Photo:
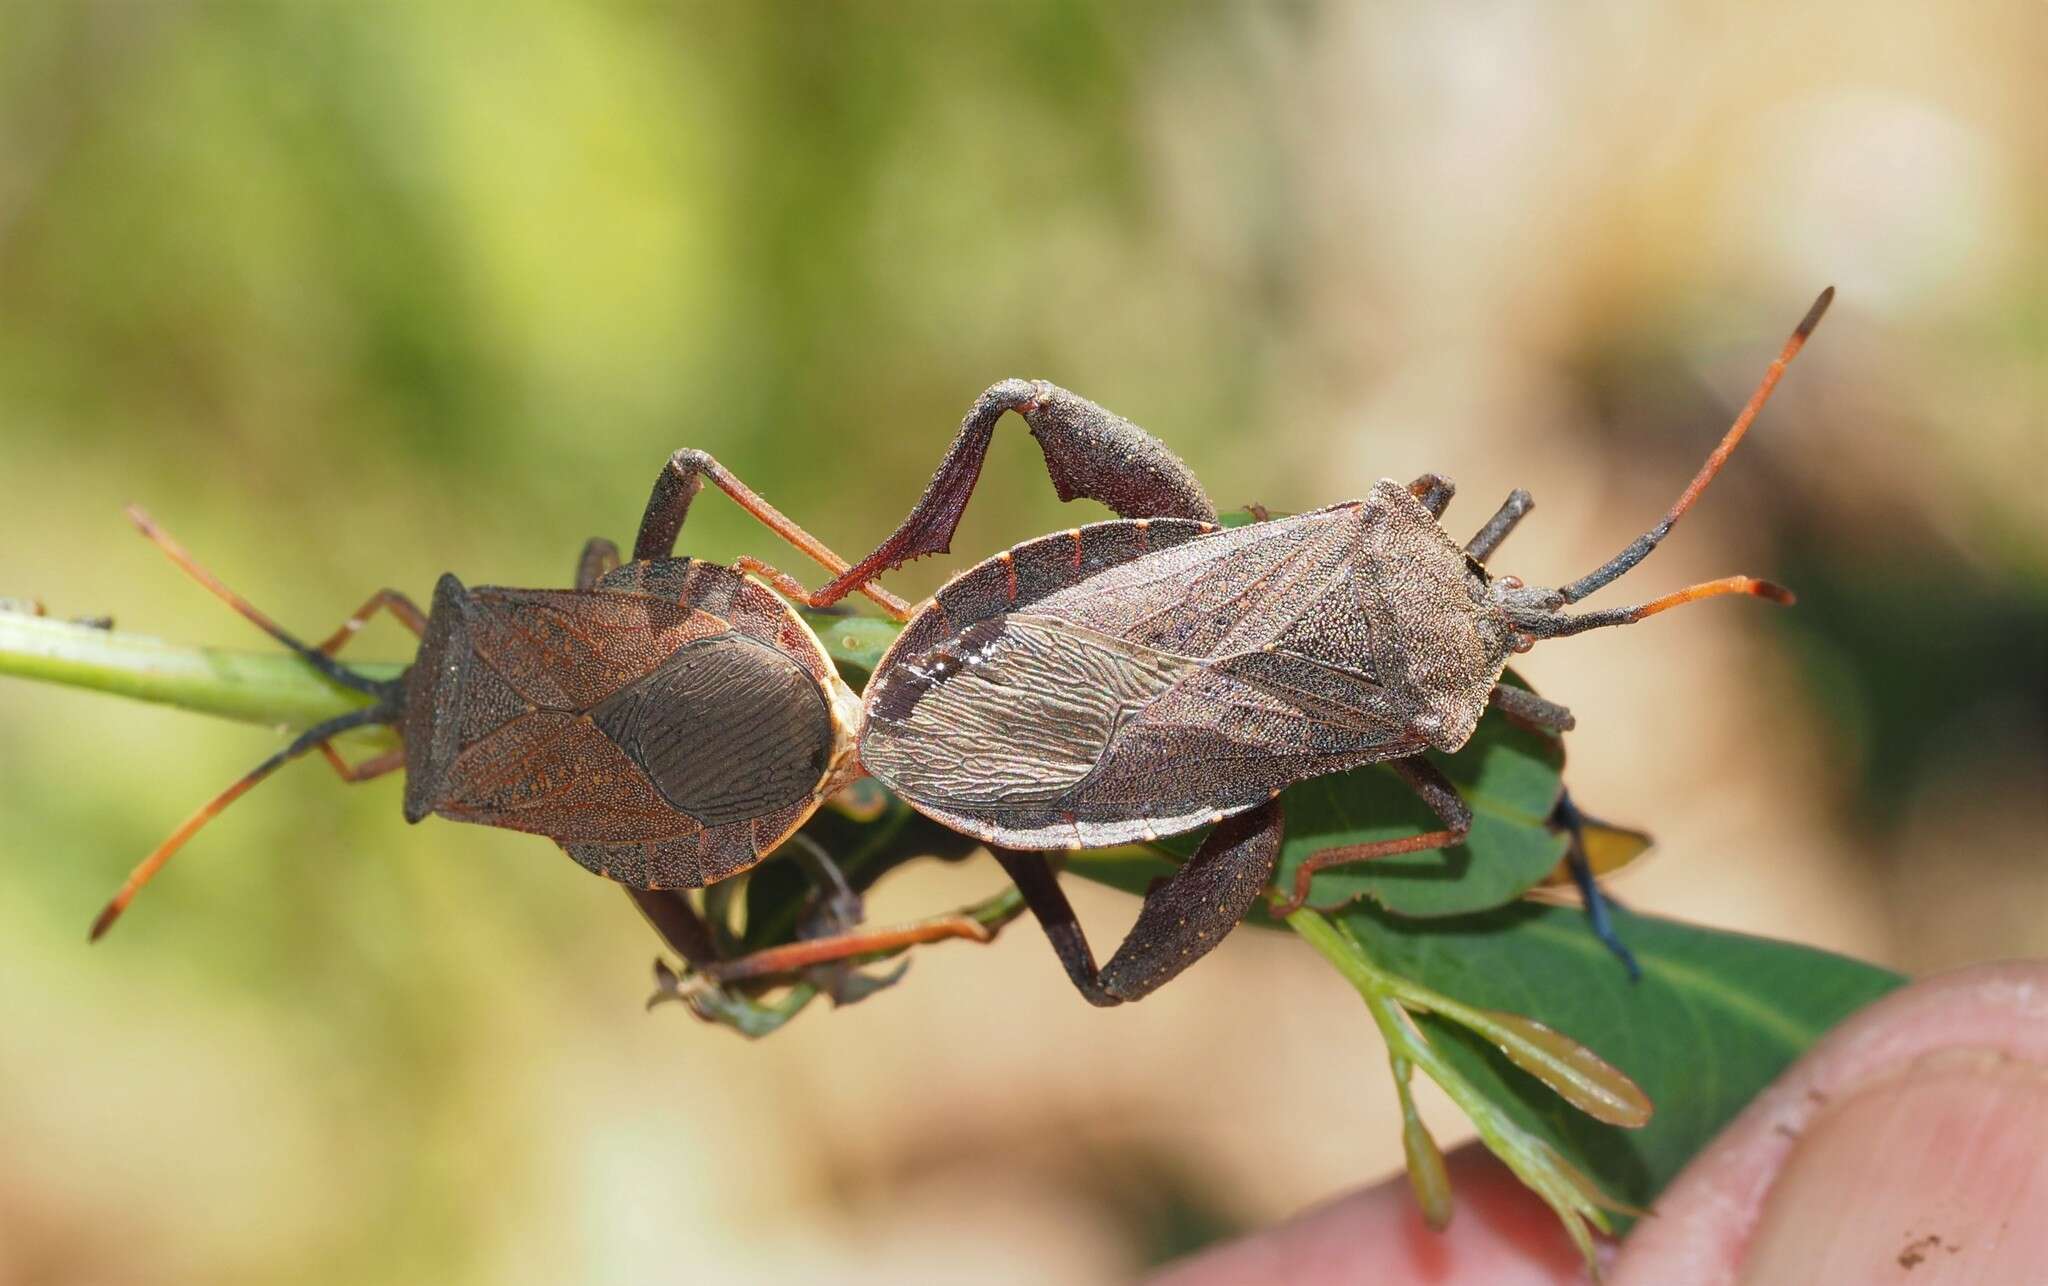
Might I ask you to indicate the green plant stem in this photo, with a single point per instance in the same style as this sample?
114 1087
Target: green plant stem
1382 993
273 688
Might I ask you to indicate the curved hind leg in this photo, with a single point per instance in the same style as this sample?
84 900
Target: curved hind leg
1182 919
1090 453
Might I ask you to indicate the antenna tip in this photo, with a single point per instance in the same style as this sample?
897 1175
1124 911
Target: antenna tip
1815 313
1776 593
140 518
104 921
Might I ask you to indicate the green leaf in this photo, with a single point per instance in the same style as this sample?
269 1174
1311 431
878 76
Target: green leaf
1511 777
1716 1017
855 643
1394 1003
1428 1177
1573 1072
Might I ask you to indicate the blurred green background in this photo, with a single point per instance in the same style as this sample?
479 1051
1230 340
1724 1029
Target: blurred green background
349 295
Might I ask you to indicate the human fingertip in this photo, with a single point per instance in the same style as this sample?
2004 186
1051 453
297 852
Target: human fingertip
1939 1168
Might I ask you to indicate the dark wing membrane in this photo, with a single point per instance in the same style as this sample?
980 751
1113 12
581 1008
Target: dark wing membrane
1224 739
728 729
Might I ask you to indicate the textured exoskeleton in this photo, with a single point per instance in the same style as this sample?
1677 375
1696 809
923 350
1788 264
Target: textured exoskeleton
1136 679
669 727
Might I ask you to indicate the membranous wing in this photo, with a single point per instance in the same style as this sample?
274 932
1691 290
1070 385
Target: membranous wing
1013 711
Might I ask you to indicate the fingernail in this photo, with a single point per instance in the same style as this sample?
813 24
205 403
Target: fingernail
1936 1174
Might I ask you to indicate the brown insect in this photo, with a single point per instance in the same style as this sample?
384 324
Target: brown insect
669 722
1135 679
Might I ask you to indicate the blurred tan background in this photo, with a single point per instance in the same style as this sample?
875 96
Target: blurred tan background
351 295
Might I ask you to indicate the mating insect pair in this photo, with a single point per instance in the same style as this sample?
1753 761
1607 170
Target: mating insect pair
671 722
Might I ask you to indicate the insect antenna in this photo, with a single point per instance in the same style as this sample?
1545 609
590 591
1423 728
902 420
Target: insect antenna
1640 548
313 656
385 710
1549 626
310 739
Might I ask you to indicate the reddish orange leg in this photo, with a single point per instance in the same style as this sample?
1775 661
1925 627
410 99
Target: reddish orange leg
798 956
390 600
791 588
410 616
670 505
1436 791
376 766
1349 853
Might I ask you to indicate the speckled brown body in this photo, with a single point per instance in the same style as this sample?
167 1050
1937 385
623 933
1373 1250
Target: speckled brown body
1135 679
668 726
